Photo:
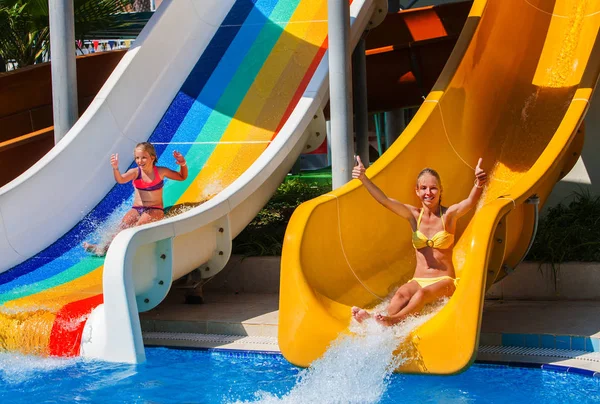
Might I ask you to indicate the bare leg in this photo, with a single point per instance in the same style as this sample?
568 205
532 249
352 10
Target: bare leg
429 294
398 302
402 297
129 220
149 216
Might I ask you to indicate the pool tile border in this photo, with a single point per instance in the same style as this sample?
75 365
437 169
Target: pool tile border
553 341
240 353
543 366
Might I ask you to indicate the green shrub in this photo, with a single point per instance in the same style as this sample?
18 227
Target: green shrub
569 232
264 235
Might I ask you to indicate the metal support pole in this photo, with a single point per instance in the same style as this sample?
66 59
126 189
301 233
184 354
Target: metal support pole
340 94
64 73
400 121
359 96
378 129
390 128
394 125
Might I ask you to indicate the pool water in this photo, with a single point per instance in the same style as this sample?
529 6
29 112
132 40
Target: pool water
200 376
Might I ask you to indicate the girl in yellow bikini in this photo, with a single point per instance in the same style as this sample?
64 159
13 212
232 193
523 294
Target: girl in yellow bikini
433 238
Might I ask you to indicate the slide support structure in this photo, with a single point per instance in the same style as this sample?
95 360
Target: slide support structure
361 115
340 92
63 67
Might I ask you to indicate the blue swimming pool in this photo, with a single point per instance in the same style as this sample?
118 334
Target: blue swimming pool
200 376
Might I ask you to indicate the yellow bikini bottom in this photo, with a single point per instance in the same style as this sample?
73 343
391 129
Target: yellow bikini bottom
424 282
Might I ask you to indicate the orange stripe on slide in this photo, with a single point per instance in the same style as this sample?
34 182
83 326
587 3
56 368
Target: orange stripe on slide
65 338
302 87
303 84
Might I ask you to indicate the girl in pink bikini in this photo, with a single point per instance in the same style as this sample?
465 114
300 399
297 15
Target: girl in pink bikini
433 228
148 182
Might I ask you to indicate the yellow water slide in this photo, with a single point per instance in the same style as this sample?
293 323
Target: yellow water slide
514 92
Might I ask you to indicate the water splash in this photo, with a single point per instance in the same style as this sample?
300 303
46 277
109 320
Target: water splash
357 367
103 231
18 369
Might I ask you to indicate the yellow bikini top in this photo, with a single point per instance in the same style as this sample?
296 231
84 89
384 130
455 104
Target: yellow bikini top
442 239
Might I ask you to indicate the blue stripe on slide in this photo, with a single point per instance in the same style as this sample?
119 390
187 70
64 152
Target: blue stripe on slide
120 193
209 118
203 70
195 118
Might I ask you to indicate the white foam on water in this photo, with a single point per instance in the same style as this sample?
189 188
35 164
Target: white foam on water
17 369
357 367
105 230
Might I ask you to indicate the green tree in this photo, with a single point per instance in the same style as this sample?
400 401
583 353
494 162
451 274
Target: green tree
25 31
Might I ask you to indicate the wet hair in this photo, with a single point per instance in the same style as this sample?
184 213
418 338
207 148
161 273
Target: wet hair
148 148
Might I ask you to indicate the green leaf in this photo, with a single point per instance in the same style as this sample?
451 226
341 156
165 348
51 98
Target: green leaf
25 26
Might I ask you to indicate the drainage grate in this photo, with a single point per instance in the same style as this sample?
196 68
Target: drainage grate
555 353
211 338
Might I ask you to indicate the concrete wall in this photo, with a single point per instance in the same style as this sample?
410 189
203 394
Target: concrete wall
586 173
249 275
569 281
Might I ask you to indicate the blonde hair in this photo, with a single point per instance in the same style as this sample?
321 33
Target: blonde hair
431 171
148 148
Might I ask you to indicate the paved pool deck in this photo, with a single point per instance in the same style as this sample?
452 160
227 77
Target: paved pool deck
563 333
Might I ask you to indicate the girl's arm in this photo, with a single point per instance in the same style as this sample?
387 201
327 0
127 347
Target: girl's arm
129 175
399 208
461 208
183 170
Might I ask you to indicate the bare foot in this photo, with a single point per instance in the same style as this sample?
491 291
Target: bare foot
94 249
386 320
359 314
88 247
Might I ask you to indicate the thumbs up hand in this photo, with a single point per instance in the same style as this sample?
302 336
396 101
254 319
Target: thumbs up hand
480 175
358 172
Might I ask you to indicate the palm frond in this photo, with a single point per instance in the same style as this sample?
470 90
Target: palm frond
94 15
21 39
24 25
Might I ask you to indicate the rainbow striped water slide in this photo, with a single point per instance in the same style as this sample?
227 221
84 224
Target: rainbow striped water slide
234 85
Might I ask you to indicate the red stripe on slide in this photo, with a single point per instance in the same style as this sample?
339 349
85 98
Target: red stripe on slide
65 338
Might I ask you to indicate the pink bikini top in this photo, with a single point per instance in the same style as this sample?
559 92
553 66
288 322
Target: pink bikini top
156 184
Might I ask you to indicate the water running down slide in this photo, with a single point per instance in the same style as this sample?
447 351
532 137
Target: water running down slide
231 84
514 91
